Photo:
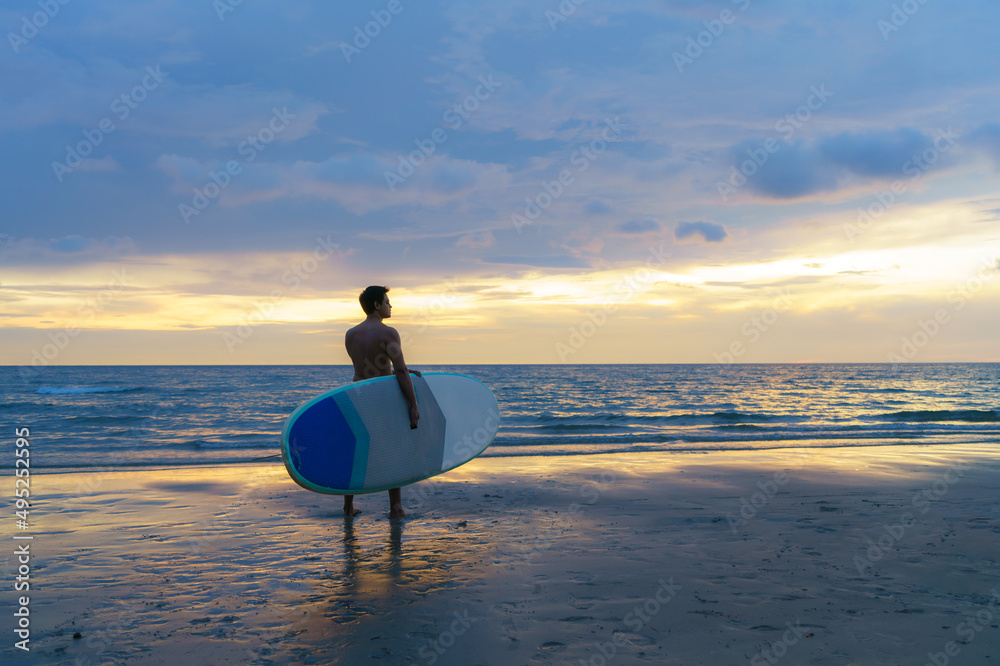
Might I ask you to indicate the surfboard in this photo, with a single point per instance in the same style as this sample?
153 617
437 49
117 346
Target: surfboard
357 438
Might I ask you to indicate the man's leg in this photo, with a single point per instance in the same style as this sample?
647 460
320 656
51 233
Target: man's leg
396 504
349 510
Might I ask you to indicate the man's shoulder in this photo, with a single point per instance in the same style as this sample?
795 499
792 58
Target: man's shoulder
388 331
373 331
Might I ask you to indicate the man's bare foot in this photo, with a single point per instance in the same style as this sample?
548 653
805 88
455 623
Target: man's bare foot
349 510
397 511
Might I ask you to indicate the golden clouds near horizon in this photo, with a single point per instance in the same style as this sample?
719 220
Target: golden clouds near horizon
832 294
152 297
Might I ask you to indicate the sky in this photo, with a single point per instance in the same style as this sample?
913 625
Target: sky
721 181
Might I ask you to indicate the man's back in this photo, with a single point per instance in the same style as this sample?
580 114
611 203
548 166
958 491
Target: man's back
369 344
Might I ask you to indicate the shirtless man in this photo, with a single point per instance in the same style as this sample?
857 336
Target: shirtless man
373 348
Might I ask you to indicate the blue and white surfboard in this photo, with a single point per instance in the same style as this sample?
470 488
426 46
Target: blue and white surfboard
357 438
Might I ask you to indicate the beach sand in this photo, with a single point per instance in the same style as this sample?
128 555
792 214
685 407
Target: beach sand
873 555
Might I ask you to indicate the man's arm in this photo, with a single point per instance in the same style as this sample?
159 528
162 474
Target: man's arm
394 349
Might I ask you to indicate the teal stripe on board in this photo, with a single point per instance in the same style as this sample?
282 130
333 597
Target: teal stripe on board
360 466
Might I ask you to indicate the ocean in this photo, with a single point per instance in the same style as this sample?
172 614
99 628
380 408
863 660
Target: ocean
165 416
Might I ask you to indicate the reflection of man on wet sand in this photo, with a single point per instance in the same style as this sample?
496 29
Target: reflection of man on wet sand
373 348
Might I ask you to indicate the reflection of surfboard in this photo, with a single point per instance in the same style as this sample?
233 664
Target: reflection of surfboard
357 438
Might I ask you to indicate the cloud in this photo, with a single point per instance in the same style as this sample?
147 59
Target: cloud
357 181
794 171
63 88
450 180
557 261
876 154
477 239
69 248
358 169
712 232
636 227
987 139
597 207
802 167
69 244
184 171
104 164
109 246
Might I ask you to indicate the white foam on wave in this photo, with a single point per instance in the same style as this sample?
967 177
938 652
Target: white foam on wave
203 444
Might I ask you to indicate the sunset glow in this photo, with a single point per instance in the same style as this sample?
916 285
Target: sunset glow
539 177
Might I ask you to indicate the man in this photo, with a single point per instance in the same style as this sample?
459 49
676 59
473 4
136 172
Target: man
374 348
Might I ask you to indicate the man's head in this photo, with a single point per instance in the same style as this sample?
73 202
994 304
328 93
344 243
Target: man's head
371 298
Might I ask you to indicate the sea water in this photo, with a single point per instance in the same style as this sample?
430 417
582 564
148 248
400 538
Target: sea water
125 416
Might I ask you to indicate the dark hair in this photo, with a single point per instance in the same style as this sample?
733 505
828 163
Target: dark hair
372 296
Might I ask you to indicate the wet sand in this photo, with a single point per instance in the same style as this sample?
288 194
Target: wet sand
798 556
